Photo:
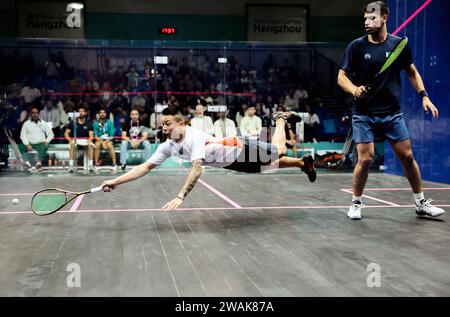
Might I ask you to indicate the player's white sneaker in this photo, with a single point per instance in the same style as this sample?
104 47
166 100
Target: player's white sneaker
354 212
71 169
425 208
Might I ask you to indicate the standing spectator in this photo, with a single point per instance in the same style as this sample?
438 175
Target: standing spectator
224 127
30 93
291 101
251 125
104 136
201 121
35 135
134 135
84 137
51 115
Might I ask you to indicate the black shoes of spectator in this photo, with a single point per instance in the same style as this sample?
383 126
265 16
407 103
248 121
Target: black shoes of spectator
123 168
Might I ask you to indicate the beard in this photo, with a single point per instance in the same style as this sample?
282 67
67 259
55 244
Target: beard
374 30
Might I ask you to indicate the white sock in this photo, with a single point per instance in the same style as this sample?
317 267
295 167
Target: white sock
70 162
418 197
357 198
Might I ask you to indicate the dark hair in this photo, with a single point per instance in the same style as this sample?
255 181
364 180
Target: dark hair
370 7
174 111
251 106
171 111
102 108
82 106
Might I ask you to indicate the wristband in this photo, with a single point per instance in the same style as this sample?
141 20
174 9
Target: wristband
423 94
180 197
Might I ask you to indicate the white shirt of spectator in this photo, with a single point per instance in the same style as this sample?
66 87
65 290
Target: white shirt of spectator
204 123
310 120
224 128
30 94
251 126
291 103
197 145
52 116
33 133
301 94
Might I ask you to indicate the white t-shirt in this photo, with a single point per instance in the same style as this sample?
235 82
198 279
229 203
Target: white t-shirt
198 145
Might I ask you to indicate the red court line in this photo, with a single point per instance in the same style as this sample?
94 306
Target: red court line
217 208
215 191
404 24
372 198
168 92
77 203
223 196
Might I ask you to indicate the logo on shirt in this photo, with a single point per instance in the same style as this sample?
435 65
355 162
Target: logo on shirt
387 54
367 56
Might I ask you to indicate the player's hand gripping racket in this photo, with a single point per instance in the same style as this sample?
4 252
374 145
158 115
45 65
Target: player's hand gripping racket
50 200
376 84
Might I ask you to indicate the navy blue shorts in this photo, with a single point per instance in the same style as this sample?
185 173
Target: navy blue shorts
392 127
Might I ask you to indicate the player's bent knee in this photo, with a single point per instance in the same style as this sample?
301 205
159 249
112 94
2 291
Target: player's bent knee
365 162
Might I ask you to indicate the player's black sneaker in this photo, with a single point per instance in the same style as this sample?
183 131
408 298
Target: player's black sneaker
309 168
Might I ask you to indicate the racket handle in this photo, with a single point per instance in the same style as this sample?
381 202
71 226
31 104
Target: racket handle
96 189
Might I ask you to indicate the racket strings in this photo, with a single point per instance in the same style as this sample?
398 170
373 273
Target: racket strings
48 201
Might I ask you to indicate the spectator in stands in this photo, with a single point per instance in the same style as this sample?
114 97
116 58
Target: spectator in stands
251 125
301 94
52 67
133 78
312 125
263 114
224 127
83 138
65 71
120 116
134 136
30 93
291 100
241 114
202 122
119 77
52 116
35 135
104 137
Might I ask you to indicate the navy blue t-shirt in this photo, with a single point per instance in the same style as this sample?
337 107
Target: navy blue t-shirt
363 60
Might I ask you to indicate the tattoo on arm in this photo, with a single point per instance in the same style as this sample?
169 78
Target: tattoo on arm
194 175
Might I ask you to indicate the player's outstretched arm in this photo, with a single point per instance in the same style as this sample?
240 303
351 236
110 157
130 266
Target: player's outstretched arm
194 175
135 173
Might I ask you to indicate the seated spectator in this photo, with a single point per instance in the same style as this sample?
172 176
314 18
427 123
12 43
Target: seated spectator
291 101
52 116
104 137
83 138
241 114
30 93
134 135
52 67
133 78
302 94
224 127
312 125
202 122
251 124
35 135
